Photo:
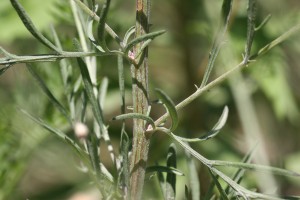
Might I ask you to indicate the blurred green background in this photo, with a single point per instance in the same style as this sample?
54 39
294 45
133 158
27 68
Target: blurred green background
263 99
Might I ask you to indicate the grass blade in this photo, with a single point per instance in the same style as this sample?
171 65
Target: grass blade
212 133
30 26
170 106
171 177
226 11
49 94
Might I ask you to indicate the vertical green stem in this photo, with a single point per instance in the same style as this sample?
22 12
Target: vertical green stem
139 76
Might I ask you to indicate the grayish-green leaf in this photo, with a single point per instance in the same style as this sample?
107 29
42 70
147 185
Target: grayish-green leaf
101 25
49 94
90 93
251 13
103 91
125 142
194 182
226 11
128 34
171 178
212 133
260 168
164 169
121 82
143 38
217 183
170 106
30 27
264 22
135 116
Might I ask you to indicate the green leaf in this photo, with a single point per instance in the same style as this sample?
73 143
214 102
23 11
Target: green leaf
256 167
3 69
194 182
170 106
286 35
217 183
251 13
135 116
226 12
30 26
103 91
238 176
49 94
164 169
121 82
212 133
128 34
90 93
91 36
101 25
125 143
171 178
142 39
83 155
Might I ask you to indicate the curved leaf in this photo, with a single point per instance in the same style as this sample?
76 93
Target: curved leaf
170 106
135 116
142 39
213 132
30 27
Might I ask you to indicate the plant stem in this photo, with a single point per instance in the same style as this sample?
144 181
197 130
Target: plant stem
139 74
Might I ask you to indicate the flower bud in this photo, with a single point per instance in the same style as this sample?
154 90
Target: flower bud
81 130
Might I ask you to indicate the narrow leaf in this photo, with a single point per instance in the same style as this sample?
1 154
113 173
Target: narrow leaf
101 25
238 176
90 93
221 190
47 91
171 178
30 27
128 34
251 13
135 116
142 39
193 177
83 155
170 106
103 91
263 23
164 169
91 36
261 168
3 69
125 143
226 12
121 82
212 133
286 35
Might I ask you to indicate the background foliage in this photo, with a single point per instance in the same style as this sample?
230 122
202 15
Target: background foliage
36 165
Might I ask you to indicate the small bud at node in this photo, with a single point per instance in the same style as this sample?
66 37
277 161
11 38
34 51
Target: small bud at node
81 130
